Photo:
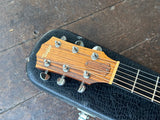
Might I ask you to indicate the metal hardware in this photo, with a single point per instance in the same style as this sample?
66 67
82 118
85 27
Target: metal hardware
79 37
47 63
57 44
61 81
74 49
97 48
65 68
94 56
80 43
86 74
81 88
84 115
44 75
27 59
63 38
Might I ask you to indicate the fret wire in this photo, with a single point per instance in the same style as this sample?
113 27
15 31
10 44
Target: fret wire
134 72
136 87
135 81
137 69
156 101
155 89
139 74
124 78
130 90
138 78
133 68
129 80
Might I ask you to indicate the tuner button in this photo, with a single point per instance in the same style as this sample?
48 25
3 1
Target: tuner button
65 68
81 88
75 49
47 63
86 74
44 75
80 43
57 44
94 56
97 48
61 81
63 38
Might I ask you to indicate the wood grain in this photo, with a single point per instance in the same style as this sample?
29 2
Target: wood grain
101 70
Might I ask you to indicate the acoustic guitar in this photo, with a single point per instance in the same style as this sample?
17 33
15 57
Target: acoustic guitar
91 77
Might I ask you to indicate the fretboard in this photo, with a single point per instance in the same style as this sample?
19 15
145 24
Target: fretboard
139 82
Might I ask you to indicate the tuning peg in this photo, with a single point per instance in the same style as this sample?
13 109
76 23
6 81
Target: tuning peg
44 75
63 38
61 81
80 43
81 88
47 63
97 48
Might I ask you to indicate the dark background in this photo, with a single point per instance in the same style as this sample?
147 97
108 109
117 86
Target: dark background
129 27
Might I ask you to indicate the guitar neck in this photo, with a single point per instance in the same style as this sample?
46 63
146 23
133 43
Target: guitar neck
139 82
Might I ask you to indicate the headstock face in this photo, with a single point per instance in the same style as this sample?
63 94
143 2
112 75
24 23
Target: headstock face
80 63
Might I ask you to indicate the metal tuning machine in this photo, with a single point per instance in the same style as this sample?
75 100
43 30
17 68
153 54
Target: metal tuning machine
44 75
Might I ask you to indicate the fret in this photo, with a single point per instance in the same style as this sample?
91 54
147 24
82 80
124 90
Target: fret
135 81
138 82
155 89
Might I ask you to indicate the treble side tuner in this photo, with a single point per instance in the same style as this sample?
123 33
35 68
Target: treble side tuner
81 88
64 38
61 80
99 48
80 43
44 76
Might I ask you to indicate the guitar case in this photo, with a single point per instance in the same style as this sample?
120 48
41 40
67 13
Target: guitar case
102 100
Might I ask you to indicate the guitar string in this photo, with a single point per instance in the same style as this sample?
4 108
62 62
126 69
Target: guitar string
137 78
79 53
141 70
129 70
72 64
136 82
135 90
93 73
121 64
128 83
139 74
121 72
131 76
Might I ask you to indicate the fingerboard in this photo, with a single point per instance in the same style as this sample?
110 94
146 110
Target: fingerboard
138 82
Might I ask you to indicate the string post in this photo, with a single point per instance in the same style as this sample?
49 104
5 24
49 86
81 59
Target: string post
65 68
57 44
74 49
47 63
94 56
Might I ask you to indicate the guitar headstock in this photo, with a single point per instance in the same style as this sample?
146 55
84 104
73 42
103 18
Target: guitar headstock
80 63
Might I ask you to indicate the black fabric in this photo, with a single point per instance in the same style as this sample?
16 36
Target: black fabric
103 100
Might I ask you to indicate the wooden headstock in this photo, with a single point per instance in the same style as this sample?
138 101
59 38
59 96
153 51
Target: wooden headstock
83 64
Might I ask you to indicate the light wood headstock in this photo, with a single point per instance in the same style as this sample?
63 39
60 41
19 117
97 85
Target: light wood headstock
83 64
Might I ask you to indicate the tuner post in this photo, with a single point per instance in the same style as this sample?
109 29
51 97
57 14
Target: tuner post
61 81
44 76
81 88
